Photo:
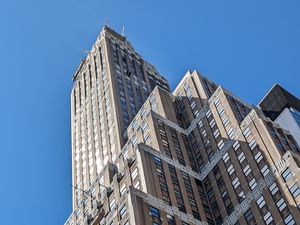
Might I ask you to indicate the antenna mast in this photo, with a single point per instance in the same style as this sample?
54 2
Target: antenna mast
123 31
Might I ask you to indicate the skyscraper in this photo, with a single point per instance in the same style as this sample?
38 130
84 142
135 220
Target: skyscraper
110 86
200 155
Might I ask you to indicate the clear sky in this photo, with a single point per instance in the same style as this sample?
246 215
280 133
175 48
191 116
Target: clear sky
245 46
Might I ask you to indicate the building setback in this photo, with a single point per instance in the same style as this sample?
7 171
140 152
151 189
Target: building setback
142 155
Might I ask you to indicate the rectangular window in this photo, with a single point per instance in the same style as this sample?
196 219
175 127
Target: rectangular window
221 144
281 204
247 132
265 170
208 113
216 133
236 145
122 211
112 204
225 121
273 188
217 101
154 212
230 132
261 202
235 183
268 218
226 157
289 220
258 157
212 123
287 175
252 184
123 189
247 170
171 220
241 157
134 173
295 190
137 185
230 169
252 144
248 215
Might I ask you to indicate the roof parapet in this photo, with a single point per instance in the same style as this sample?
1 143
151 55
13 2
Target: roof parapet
113 32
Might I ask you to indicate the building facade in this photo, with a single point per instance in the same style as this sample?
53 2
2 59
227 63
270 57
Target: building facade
284 109
200 155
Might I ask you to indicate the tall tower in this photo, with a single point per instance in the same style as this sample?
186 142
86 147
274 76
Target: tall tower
110 86
197 156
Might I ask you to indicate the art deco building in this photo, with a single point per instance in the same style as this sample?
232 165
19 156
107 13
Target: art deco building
199 155
110 86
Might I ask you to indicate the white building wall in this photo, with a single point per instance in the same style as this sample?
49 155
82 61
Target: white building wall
287 121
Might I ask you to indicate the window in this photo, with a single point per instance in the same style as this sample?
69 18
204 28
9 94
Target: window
241 157
226 157
217 101
268 218
247 170
221 144
248 215
281 204
112 204
134 125
258 157
200 123
204 134
287 175
280 146
193 104
252 144
235 183
137 185
242 196
208 113
261 202
252 184
134 141
289 220
225 121
154 212
273 188
134 173
295 190
230 132
221 111
265 170
123 189
171 220
212 123
236 145
230 169
216 133
247 132
122 211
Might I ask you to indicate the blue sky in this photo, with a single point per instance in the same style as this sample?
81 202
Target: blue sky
245 46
